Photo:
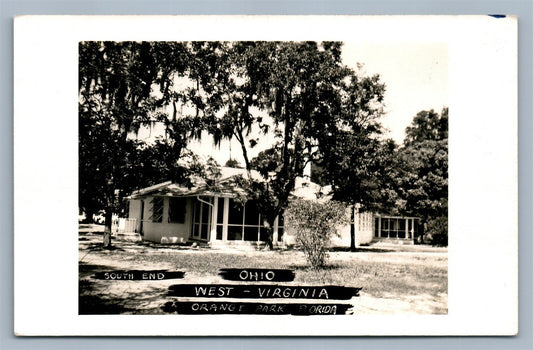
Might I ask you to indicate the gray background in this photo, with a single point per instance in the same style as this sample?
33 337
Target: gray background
522 8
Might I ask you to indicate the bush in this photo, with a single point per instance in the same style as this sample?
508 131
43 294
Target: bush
437 231
314 223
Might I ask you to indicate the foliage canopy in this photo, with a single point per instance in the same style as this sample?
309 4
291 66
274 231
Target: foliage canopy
301 95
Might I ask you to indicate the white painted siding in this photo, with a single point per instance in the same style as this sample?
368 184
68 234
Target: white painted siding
135 209
164 231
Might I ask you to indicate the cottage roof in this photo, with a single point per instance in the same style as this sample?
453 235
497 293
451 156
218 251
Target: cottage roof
226 186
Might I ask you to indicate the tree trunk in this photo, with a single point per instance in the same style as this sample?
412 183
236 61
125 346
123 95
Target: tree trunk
89 212
270 234
352 229
269 226
240 138
107 229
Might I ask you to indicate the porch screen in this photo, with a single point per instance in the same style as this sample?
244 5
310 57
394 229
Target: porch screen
395 227
201 219
244 222
220 218
412 228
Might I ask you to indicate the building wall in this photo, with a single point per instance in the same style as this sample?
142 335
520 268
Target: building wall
365 237
343 239
134 209
340 240
164 231
364 223
363 232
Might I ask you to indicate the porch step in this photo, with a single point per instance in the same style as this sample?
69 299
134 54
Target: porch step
128 236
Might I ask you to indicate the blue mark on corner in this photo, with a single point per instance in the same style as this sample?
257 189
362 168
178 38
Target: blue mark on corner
498 16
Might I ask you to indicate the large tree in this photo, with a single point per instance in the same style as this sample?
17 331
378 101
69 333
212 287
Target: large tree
299 92
353 161
122 87
114 82
425 155
307 95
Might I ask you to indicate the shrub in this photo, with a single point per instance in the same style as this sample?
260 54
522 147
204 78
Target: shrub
437 231
314 223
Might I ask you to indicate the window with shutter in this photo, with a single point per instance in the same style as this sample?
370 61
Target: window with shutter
157 209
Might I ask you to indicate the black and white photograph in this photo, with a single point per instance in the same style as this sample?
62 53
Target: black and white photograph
327 159
215 173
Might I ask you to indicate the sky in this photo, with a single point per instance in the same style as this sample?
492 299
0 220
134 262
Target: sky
415 75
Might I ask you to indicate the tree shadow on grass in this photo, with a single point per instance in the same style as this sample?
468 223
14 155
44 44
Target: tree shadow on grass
100 247
327 267
94 300
84 268
90 302
96 305
363 249
103 297
201 246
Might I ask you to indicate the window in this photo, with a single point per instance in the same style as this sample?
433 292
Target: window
201 219
251 214
234 233
393 228
235 213
157 209
401 228
413 228
396 227
220 218
176 210
280 227
385 227
244 222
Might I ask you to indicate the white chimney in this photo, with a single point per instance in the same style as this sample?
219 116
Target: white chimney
307 172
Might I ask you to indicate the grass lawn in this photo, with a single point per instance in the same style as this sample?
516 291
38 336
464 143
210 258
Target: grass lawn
392 281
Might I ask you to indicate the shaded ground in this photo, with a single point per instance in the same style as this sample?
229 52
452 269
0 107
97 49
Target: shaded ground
413 280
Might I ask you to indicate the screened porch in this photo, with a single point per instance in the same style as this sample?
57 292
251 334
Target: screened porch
396 228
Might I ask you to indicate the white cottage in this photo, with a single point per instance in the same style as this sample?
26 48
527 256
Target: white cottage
171 213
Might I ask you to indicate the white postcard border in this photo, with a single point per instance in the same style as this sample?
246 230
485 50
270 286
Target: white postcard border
483 214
